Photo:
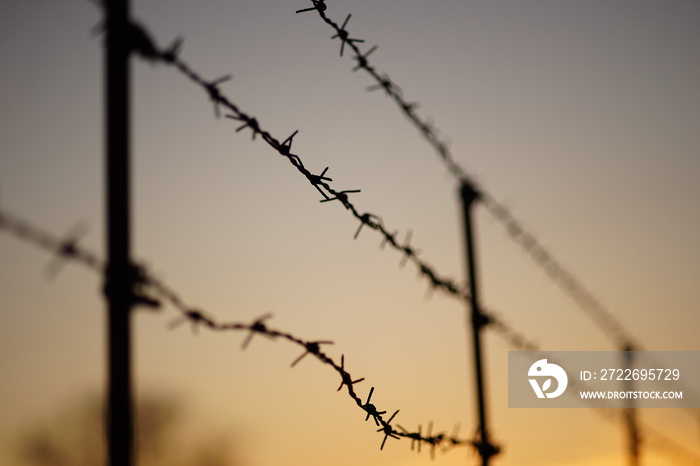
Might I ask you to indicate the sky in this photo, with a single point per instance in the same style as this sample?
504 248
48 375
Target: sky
581 117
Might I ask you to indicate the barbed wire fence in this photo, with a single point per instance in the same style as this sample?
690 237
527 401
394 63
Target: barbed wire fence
152 292
149 291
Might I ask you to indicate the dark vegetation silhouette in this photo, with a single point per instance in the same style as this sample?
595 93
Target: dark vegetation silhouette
75 437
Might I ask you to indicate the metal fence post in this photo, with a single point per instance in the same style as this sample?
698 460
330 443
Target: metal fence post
630 414
477 319
119 278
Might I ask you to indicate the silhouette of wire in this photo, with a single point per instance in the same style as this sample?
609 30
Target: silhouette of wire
600 314
199 318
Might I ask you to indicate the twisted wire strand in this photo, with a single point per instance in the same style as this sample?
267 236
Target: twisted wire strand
199 318
600 314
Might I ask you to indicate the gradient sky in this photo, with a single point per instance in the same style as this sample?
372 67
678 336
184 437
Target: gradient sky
582 117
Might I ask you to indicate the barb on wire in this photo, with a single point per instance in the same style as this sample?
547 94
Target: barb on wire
342 34
346 379
362 58
287 144
196 319
141 43
212 89
319 5
312 347
387 84
367 219
140 294
342 196
371 409
318 180
414 436
170 54
409 253
251 123
257 327
388 430
67 250
432 441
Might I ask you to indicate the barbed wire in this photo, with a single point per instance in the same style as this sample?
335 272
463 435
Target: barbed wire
151 291
199 318
599 313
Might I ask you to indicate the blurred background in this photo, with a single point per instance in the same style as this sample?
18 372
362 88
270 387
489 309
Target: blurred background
581 117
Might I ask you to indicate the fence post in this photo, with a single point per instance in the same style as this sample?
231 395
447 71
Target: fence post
119 278
630 414
469 195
